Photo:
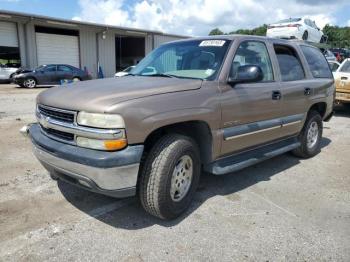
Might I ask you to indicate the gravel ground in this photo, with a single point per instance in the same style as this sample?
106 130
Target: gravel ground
282 209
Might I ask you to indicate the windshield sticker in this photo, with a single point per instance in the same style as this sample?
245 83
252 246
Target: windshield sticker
212 43
209 72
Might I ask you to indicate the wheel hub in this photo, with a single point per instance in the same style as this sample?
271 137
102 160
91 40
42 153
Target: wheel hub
312 135
182 178
30 83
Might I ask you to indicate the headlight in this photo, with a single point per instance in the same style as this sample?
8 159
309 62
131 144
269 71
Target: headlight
107 145
100 120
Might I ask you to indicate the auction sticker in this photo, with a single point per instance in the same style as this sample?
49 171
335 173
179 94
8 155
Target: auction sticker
212 43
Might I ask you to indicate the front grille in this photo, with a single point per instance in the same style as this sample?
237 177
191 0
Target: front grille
56 114
59 134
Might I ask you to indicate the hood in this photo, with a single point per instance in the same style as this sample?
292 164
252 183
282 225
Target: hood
100 95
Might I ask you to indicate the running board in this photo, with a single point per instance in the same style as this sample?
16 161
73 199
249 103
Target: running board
239 161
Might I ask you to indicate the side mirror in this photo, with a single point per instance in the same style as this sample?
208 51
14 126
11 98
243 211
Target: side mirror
247 74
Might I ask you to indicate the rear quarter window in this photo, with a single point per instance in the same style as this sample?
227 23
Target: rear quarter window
317 62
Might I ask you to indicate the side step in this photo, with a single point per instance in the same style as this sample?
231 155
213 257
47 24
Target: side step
239 161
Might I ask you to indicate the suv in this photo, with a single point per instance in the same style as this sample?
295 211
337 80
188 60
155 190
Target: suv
215 104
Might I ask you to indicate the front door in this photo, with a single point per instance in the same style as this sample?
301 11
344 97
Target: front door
47 75
251 111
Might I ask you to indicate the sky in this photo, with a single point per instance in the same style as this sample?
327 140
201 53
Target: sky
187 17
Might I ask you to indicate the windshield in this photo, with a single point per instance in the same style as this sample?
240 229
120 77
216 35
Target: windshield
289 20
199 59
345 67
40 68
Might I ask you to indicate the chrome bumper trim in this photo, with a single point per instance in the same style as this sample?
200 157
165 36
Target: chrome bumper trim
113 178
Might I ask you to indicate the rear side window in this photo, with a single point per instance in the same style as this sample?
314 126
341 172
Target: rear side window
64 68
317 62
289 63
333 66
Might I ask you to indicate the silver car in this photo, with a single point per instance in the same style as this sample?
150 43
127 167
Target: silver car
6 73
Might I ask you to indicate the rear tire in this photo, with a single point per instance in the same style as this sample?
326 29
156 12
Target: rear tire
169 177
310 136
305 36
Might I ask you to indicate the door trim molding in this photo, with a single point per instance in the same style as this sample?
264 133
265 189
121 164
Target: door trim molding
261 126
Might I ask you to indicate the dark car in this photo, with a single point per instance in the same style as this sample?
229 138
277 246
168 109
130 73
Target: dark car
50 75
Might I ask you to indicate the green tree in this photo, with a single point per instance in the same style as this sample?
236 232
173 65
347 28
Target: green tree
261 30
216 31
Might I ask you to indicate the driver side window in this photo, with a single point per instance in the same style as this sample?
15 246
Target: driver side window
51 68
252 53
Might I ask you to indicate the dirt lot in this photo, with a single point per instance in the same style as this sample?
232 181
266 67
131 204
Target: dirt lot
282 209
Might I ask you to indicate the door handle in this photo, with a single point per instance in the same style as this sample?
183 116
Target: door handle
276 95
307 91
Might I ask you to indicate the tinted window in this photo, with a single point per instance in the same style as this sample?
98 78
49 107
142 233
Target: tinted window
289 63
307 21
333 66
50 68
289 20
345 67
317 62
64 68
252 53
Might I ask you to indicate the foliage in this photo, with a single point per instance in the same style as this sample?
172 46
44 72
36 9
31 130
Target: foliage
261 30
216 31
337 36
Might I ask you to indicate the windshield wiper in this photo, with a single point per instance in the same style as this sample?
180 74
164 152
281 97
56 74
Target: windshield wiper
162 75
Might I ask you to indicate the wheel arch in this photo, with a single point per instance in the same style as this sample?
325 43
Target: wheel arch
33 77
199 131
320 107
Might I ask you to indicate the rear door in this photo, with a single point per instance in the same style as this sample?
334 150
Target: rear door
250 111
295 88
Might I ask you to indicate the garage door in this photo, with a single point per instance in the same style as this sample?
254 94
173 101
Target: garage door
57 49
8 34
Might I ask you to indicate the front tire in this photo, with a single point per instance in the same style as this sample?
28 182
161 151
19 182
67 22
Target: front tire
30 82
170 176
310 136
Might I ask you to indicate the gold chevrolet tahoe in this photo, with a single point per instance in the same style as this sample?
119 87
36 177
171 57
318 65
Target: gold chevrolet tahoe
215 104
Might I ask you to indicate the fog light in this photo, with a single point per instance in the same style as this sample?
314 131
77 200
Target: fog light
107 145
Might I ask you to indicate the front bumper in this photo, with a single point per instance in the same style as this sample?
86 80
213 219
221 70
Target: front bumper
17 80
110 173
